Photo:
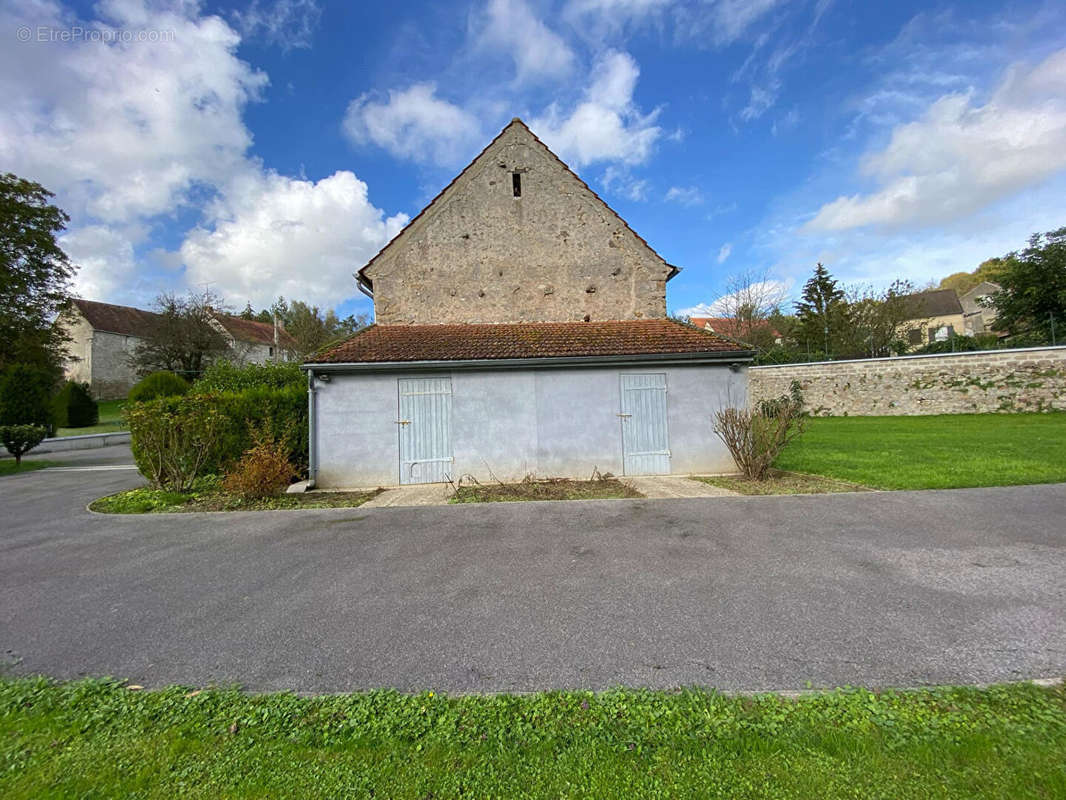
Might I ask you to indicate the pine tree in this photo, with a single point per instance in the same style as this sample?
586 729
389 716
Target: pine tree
822 314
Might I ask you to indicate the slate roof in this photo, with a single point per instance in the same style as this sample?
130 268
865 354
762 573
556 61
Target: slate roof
116 319
400 343
934 303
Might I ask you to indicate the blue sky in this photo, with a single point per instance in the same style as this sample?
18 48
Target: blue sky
272 148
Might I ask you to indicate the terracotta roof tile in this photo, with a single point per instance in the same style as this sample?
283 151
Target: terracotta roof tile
399 343
246 330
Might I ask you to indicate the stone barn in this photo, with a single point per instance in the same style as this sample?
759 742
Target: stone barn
521 328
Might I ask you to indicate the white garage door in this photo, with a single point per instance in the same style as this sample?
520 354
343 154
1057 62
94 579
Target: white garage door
645 442
425 423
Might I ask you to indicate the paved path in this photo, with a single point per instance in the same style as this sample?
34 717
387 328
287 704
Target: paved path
882 588
663 486
423 494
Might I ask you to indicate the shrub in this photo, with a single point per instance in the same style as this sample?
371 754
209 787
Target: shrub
74 407
20 439
280 414
26 396
756 437
263 471
156 385
175 442
222 376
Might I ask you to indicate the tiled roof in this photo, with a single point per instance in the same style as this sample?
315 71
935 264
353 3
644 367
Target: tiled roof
730 327
246 330
398 343
116 319
934 303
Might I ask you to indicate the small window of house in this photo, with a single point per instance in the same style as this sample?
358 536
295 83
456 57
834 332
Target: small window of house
271 352
914 336
516 183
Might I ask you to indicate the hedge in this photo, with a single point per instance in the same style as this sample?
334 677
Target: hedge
223 376
74 407
279 413
156 385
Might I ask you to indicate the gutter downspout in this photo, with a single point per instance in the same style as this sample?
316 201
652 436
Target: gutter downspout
312 454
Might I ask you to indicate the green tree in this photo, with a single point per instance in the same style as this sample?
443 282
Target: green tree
988 270
35 275
875 318
822 314
310 326
1034 287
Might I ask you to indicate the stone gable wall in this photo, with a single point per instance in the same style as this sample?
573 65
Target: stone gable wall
480 254
1031 379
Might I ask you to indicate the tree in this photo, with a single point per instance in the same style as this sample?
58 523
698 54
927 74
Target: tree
822 313
20 439
1033 285
312 328
26 395
988 270
875 318
35 275
750 301
184 339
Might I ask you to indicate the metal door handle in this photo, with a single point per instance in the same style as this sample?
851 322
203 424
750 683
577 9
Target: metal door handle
403 422
623 415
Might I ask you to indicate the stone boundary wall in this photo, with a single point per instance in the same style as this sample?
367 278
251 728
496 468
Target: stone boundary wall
1029 379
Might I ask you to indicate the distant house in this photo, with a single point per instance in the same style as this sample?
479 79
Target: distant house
732 328
104 337
932 316
979 318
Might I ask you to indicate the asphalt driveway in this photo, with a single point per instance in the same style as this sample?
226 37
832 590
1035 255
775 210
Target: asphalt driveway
899 588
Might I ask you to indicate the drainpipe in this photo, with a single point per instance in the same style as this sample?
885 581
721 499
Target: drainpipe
312 455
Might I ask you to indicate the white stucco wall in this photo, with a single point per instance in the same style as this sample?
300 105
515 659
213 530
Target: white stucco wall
510 423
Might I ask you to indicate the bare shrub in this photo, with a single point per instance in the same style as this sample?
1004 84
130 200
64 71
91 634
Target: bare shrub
756 437
263 471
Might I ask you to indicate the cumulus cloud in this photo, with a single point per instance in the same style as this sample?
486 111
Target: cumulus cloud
273 235
286 23
724 252
105 260
961 156
509 26
684 195
415 124
124 130
606 125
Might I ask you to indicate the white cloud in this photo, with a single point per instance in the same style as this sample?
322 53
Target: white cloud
286 23
605 125
732 18
415 124
960 156
724 252
767 293
105 261
620 181
759 102
538 52
684 195
603 18
124 130
274 235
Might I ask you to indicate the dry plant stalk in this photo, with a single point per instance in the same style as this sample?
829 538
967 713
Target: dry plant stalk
755 439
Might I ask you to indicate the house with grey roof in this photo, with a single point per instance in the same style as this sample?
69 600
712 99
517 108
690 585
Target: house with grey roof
104 336
521 329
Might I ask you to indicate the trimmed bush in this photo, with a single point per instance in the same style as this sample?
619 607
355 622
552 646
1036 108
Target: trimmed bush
222 376
26 396
74 406
20 439
156 385
263 471
174 443
278 414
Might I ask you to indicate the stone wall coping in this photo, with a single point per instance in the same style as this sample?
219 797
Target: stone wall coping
894 359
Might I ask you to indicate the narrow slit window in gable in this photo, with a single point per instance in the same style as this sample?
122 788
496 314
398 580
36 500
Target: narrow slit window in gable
516 183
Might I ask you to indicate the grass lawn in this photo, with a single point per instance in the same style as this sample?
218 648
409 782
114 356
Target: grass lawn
780 482
208 495
110 420
935 452
7 466
544 489
98 739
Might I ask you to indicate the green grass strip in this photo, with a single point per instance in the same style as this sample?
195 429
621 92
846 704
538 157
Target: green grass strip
94 738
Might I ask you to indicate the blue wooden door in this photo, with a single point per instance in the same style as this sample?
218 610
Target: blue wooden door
425 423
645 439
